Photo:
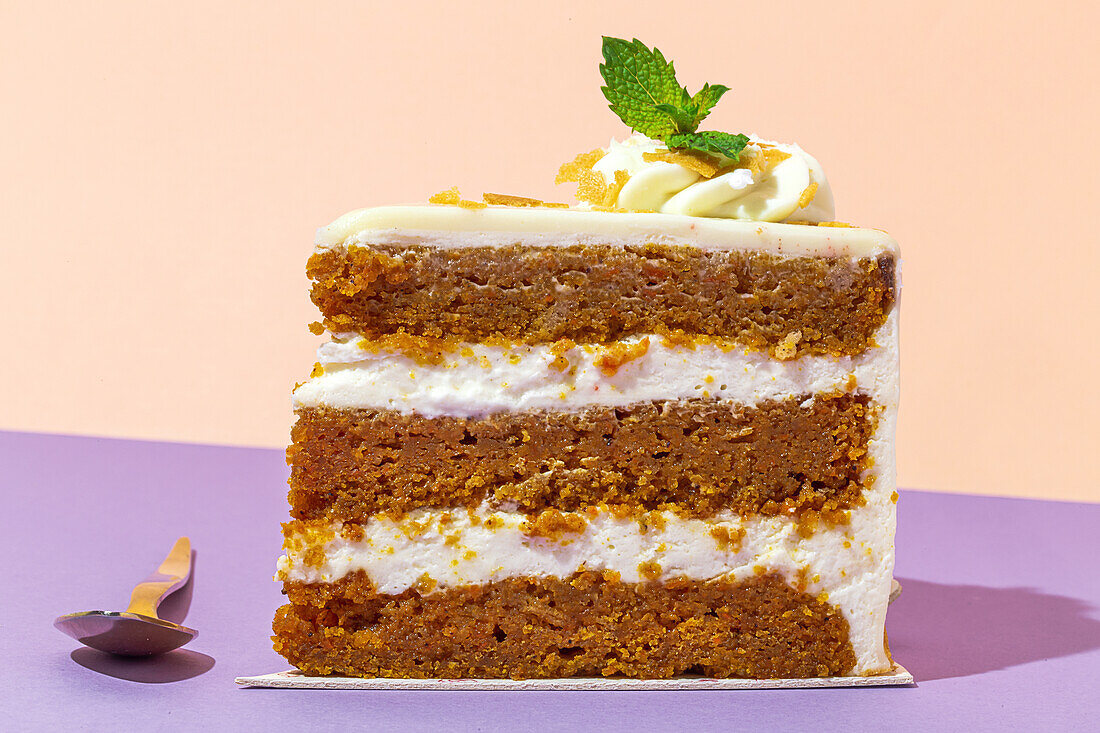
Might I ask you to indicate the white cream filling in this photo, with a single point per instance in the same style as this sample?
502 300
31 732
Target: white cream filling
852 565
491 379
453 227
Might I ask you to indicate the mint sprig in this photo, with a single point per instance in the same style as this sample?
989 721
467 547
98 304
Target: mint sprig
642 90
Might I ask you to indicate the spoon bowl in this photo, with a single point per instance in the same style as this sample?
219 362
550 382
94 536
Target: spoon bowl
138 631
124 633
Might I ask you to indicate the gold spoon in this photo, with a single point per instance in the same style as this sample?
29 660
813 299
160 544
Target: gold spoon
138 631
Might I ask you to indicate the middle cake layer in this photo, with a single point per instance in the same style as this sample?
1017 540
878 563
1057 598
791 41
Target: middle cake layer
694 456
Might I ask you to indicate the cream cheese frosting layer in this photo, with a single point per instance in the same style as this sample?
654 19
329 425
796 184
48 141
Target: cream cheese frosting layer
772 195
451 227
852 565
479 380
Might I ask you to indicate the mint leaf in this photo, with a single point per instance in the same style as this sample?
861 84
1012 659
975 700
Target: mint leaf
710 142
638 80
684 118
642 90
705 99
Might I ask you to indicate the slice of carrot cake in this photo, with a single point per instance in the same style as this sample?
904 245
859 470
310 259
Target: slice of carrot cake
647 436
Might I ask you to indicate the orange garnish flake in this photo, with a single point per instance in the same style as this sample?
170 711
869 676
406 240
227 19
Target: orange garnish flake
694 160
773 157
572 171
841 224
807 196
591 186
450 196
760 162
611 197
503 199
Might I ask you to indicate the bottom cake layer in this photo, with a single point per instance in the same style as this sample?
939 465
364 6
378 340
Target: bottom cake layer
588 624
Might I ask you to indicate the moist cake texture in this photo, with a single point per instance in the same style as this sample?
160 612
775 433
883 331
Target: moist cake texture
696 456
601 293
589 624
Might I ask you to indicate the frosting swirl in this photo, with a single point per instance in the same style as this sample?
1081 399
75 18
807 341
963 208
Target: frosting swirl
790 187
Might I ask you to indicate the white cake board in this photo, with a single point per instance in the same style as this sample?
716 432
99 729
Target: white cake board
293 679
296 680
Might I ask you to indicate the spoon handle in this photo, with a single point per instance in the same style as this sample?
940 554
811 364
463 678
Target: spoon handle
171 575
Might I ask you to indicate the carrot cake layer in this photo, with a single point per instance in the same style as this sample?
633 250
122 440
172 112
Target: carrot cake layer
587 624
697 456
599 292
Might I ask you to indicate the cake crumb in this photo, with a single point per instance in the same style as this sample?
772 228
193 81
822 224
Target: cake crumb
727 539
650 569
559 349
424 584
616 355
787 349
552 524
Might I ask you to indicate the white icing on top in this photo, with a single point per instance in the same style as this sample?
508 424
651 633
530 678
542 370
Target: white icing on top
491 379
672 189
452 227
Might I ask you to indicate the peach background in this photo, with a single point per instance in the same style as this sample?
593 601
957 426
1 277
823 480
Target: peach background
165 165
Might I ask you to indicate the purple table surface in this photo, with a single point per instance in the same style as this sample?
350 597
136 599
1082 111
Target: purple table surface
999 620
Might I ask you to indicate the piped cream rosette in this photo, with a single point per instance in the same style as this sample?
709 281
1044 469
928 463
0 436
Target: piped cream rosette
792 189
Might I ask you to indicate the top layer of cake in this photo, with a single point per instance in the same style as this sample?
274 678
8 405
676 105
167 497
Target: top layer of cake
536 275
